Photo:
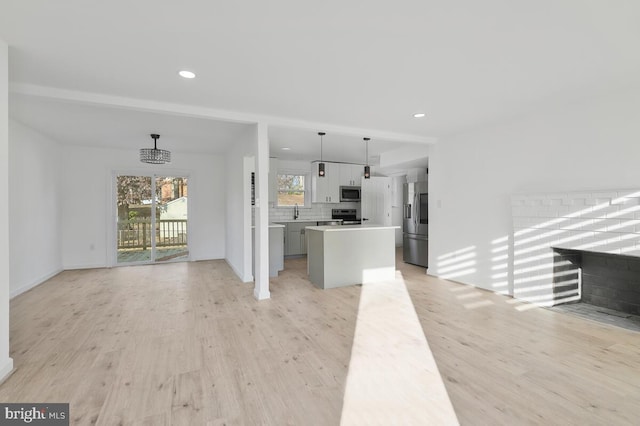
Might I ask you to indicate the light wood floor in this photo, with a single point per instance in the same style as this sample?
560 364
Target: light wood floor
186 343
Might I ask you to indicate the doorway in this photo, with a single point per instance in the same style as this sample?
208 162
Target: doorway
152 219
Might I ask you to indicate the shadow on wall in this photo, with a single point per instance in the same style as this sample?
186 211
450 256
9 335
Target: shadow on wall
606 222
600 221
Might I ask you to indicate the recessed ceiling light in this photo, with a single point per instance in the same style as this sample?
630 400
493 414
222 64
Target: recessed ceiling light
187 74
419 115
286 149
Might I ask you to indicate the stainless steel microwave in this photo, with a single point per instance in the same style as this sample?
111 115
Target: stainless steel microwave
350 193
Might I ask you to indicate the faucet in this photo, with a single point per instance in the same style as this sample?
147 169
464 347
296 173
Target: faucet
296 213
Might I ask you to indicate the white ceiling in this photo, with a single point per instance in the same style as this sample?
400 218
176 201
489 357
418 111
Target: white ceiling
304 144
363 65
102 126
75 123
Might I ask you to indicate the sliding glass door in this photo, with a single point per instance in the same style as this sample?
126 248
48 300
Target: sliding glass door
152 219
171 214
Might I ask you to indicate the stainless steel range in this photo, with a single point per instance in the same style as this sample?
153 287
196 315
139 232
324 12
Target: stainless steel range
348 216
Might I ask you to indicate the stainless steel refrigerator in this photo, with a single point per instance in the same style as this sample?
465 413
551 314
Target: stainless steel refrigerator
415 224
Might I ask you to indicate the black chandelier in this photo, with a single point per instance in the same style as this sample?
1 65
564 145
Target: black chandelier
155 155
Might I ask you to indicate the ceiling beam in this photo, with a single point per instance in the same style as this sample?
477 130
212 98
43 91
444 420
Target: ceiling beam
99 99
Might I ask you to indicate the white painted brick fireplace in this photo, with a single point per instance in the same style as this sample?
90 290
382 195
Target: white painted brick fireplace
595 221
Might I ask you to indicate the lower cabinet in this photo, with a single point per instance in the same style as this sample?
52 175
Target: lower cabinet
295 238
294 244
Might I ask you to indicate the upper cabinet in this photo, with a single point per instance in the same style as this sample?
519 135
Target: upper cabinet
325 189
351 174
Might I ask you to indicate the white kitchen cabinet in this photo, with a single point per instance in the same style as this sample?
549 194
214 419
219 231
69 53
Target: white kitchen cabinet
345 175
294 243
351 174
325 189
296 238
397 183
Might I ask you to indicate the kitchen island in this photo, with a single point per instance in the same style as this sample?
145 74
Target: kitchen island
339 256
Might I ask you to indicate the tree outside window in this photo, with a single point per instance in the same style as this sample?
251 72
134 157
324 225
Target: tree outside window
291 190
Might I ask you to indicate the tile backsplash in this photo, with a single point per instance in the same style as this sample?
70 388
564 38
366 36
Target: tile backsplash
317 211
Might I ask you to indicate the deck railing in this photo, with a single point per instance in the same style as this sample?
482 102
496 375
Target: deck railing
136 233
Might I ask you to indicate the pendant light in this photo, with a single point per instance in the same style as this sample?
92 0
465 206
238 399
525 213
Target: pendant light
155 155
321 165
367 170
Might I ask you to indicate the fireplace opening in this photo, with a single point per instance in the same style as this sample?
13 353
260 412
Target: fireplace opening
606 280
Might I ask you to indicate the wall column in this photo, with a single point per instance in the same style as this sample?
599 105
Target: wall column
6 363
261 249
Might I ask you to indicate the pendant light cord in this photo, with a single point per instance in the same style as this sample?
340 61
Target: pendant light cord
366 142
321 134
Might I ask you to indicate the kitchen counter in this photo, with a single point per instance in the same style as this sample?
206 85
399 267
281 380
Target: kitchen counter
339 256
295 242
306 220
341 228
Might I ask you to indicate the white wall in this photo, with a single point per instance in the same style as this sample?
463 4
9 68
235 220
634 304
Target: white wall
6 363
587 145
236 204
88 212
402 156
34 208
294 165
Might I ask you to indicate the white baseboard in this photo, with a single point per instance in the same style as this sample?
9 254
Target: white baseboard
90 266
261 296
33 284
6 370
204 259
248 278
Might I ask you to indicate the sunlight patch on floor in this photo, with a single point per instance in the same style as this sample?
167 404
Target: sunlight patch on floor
470 295
478 304
393 377
526 307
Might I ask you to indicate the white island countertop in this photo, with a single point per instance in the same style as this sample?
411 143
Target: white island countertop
306 220
350 227
271 225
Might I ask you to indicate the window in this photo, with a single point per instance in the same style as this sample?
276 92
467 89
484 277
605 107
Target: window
293 188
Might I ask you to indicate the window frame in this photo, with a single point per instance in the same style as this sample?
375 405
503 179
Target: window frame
307 187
